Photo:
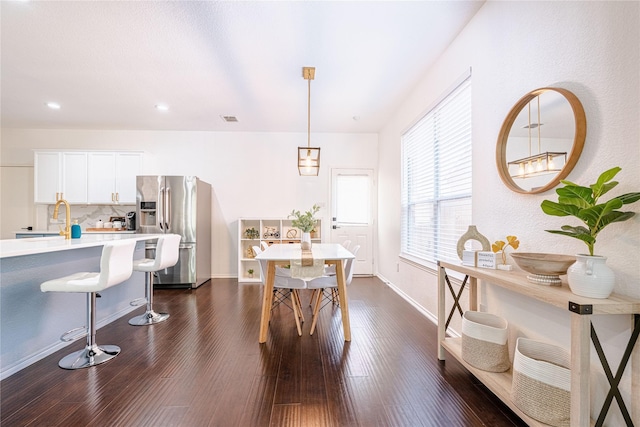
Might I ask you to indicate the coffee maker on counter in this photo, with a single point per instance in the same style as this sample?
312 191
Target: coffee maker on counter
130 221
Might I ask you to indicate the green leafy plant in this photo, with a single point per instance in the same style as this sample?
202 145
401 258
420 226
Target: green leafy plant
500 245
304 221
251 233
582 203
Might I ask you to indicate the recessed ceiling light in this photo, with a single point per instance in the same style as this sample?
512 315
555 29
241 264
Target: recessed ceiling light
53 105
162 107
356 118
229 119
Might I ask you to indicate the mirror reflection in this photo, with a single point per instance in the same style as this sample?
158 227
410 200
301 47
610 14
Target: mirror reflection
541 140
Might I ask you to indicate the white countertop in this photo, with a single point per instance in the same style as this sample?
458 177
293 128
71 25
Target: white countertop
39 245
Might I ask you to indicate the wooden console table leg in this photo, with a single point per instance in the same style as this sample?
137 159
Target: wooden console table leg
635 379
580 359
473 293
441 320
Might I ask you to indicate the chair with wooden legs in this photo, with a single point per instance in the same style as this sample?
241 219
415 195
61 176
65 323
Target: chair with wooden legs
283 288
329 282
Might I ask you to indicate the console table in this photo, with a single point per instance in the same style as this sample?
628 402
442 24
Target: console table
582 332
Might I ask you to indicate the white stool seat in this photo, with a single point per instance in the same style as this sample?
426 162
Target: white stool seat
145 264
167 253
116 266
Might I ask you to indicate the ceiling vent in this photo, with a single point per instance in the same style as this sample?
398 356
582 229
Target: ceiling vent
229 119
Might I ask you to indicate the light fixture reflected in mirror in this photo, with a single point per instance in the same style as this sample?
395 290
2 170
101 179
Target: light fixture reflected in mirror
543 163
308 157
560 141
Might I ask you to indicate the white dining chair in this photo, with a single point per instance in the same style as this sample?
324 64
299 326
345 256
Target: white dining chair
331 283
330 270
284 287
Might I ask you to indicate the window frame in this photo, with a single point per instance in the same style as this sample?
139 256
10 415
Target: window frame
436 200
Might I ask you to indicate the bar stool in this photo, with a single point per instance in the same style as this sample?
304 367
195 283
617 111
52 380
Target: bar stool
116 265
167 251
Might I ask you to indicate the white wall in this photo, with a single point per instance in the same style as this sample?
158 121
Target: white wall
252 174
590 48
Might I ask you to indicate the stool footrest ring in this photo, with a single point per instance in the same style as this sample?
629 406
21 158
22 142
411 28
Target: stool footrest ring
72 335
138 301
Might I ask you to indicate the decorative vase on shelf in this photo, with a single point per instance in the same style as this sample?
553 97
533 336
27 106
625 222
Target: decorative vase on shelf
590 277
305 243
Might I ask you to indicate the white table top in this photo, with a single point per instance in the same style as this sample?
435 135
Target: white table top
285 252
39 245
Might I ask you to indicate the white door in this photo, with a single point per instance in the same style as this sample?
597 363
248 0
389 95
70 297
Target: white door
352 202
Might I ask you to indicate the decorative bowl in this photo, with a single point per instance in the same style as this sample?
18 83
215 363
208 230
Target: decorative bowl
544 269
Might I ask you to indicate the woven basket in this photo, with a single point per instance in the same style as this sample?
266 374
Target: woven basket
484 341
541 385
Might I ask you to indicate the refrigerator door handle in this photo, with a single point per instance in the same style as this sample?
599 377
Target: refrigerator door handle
161 209
167 212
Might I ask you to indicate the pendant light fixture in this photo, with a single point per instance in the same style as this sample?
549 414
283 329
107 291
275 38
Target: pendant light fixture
537 164
309 157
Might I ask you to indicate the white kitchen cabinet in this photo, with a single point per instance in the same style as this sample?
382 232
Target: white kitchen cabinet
60 175
112 177
82 177
128 166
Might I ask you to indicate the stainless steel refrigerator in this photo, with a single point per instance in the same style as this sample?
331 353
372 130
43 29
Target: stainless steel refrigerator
179 205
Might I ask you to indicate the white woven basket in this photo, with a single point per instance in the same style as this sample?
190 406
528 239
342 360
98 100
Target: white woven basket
541 385
484 341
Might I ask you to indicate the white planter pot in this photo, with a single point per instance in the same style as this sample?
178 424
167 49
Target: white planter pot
306 241
590 277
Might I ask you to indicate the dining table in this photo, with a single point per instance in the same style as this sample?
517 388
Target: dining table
284 254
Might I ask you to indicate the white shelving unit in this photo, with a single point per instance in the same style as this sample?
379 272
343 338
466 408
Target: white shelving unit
270 230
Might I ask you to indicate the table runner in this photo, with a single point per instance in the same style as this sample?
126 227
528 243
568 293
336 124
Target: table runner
307 268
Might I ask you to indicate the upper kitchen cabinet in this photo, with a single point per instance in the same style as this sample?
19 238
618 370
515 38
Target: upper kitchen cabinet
112 177
60 175
83 177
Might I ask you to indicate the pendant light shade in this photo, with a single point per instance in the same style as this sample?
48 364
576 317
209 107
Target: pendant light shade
308 157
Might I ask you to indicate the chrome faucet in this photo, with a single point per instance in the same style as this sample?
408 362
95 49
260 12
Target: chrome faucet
67 228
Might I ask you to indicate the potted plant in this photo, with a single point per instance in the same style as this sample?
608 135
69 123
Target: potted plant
250 271
306 222
590 276
251 233
501 246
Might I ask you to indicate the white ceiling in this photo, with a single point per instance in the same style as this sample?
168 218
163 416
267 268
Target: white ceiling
109 62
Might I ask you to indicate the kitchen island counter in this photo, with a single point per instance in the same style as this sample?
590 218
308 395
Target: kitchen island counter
38 245
32 321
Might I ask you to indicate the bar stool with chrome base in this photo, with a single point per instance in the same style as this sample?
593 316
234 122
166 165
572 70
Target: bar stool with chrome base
116 265
167 251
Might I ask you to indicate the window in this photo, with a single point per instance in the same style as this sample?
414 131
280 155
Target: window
436 178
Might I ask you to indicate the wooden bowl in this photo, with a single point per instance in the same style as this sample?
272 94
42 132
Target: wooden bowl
544 268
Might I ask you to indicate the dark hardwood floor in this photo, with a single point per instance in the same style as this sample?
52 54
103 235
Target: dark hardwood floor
204 367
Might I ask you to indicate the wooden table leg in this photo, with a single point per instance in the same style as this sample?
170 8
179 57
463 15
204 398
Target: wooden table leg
441 309
580 360
344 301
635 379
267 300
473 294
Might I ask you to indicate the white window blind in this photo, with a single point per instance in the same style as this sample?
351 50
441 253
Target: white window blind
436 179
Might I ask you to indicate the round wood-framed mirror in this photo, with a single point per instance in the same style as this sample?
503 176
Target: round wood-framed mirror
541 140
